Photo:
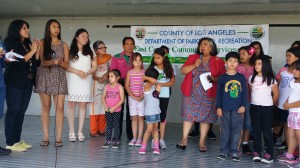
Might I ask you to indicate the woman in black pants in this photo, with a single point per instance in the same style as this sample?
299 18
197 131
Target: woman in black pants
19 77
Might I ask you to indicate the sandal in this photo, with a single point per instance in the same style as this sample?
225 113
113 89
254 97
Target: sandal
96 135
203 149
180 146
81 137
44 143
58 144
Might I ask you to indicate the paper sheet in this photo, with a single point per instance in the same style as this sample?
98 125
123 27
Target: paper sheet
11 56
205 83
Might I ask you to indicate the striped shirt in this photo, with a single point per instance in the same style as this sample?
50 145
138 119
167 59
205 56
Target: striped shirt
136 82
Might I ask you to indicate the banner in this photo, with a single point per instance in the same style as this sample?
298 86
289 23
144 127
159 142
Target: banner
182 40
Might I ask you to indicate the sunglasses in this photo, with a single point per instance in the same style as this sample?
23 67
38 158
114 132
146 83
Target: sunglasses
101 48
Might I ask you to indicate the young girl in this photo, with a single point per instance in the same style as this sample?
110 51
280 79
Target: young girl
285 76
82 66
100 76
293 105
134 88
113 98
264 94
165 79
246 68
152 110
51 79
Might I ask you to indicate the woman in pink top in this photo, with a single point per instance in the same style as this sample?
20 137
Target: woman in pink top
113 98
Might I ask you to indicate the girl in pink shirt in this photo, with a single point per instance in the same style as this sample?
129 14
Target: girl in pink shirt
134 87
113 98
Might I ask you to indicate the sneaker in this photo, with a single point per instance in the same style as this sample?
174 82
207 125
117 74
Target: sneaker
211 135
16 148
246 149
281 145
72 137
132 142
256 157
235 157
162 144
251 138
138 142
294 165
115 145
283 158
81 137
142 151
24 144
4 152
222 156
106 144
156 151
267 158
194 134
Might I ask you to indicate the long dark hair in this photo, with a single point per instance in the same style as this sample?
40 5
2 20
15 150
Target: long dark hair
266 70
48 39
14 33
168 69
214 50
86 49
261 54
248 49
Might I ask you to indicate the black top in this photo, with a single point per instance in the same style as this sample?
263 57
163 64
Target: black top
19 74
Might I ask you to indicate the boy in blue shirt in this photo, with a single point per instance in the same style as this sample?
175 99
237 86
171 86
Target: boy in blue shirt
231 103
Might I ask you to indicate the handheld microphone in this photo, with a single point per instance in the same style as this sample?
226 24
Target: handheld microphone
201 55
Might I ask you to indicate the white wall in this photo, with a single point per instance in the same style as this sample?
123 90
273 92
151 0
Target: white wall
280 39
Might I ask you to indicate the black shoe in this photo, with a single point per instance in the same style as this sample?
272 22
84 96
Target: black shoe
4 152
235 157
222 156
194 134
211 135
251 138
180 146
246 149
281 145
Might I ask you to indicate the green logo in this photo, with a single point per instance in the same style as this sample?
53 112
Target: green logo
257 32
140 33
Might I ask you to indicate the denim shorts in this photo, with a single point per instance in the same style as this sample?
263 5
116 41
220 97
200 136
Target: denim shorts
152 118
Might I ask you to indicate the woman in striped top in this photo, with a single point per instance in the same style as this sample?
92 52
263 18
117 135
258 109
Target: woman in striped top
134 88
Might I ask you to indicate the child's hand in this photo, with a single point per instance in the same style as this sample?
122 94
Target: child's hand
81 74
219 112
242 109
286 106
112 109
158 88
140 98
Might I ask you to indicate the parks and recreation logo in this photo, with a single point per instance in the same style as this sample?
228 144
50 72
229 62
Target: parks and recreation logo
257 32
140 33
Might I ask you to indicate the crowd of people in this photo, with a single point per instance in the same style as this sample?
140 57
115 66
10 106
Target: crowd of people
245 94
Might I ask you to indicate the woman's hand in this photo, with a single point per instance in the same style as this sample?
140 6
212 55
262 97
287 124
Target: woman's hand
286 106
81 74
198 62
219 112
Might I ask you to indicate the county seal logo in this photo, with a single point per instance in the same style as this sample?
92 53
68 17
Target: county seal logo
140 33
257 32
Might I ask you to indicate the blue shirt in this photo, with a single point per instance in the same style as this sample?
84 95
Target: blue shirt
231 92
2 84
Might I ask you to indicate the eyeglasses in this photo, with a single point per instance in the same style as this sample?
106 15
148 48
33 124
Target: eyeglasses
102 48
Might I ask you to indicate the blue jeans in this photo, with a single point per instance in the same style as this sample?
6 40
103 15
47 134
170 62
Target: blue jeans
17 103
231 132
2 99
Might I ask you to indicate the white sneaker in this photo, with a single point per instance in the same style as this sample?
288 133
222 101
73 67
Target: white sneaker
72 137
162 144
16 148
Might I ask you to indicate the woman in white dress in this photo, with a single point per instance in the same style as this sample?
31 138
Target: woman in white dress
79 78
100 76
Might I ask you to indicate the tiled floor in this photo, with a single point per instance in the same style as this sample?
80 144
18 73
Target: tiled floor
90 153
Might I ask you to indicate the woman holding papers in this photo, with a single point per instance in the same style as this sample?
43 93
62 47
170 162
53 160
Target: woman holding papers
19 78
198 103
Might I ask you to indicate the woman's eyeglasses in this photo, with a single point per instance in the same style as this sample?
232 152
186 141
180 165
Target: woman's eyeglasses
102 48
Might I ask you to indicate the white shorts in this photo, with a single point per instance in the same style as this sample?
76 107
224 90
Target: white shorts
135 107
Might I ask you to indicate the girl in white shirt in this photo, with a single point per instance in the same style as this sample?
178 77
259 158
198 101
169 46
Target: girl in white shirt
264 92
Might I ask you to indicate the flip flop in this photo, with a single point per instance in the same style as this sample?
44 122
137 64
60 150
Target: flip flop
203 149
44 143
58 144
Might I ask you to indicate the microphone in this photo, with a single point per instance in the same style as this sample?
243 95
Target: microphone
201 55
53 54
